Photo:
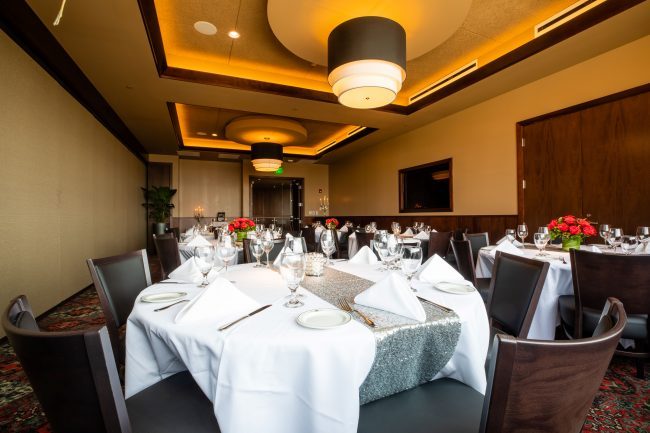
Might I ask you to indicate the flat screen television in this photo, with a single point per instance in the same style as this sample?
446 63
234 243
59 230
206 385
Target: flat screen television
426 188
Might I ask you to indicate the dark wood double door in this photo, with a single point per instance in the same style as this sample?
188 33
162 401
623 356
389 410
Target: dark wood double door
278 201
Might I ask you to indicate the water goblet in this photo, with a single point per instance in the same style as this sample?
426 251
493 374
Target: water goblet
629 244
226 248
643 235
257 249
411 261
327 243
510 235
543 229
541 239
615 237
292 268
380 243
522 232
267 245
603 231
395 250
204 259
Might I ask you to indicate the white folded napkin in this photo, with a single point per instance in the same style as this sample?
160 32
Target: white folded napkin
505 238
353 235
408 232
364 256
506 247
190 272
220 302
393 294
437 270
344 229
643 248
198 241
591 248
422 236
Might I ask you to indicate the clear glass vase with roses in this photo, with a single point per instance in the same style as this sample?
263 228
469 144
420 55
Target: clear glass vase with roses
572 230
241 226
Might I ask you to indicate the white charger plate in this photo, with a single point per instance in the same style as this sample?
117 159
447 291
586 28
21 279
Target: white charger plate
163 297
323 319
455 288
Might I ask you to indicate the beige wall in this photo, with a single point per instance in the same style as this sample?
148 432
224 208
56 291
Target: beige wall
480 139
213 185
69 189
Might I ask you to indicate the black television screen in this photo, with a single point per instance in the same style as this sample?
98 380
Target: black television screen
426 188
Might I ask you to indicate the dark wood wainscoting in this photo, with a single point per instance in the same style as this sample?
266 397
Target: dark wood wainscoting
495 225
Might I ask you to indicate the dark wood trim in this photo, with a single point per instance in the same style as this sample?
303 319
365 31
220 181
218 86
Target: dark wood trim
152 26
400 188
24 27
353 138
521 191
173 116
588 104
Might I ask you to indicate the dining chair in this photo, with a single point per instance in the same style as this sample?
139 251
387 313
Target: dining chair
309 233
75 379
477 241
338 251
532 385
248 254
278 244
175 231
439 243
167 252
118 280
463 254
597 276
514 292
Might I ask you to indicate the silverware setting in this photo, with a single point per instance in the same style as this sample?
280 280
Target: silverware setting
441 307
170 282
171 305
259 310
345 305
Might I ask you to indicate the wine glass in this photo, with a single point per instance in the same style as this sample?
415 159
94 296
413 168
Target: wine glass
643 235
257 249
522 232
226 248
603 231
380 243
510 234
292 268
396 228
629 244
541 239
374 226
395 249
278 232
543 229
411 261
204 259
267 245
615 237
327 243
259 229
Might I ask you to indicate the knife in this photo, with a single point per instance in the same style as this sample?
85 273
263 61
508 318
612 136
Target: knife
443 308
244 317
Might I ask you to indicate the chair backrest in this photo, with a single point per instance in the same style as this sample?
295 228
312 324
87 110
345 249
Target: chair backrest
296 233
439 243
167 251
477 241
598 276
73 373
175 231
363 239
548 386
278 244
248 254
464 261
309 233
514 292
118 280
337 246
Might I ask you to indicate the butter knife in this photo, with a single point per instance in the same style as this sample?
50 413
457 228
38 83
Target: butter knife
244 317
442 307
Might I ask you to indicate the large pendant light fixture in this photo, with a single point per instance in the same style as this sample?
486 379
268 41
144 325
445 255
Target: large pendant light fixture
266 156
367 61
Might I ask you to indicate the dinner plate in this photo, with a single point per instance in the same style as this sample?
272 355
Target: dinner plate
163 297
455 288
323 319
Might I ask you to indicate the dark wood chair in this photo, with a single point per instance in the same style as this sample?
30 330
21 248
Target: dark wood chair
118 280
362 239
339 252
540 386
464 261
175 231
75 379
597 276
167 252
309 233
477 241
439 243
248 254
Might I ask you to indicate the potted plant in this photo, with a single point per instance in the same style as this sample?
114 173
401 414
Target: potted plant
572 230
159 204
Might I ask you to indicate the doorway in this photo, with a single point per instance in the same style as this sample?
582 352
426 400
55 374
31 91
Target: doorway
277 200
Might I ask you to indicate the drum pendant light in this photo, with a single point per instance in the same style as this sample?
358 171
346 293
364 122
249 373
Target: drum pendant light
366 61
266 156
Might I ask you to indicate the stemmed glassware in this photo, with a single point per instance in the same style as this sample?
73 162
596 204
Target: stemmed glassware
522 232
257 249
628 244
327 243
395 228
510 235
395 250
380 243
267 245
615 237
292 268
643 235
411 261
226 248
541 239
603 231
204 259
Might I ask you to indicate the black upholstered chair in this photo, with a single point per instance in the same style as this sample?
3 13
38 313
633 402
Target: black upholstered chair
597 276
309 233
167 252
175 231
118 280
338 253
75 379
542 386
477 241
464 261
439 243
362 239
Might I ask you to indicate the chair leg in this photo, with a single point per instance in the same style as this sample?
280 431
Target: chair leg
640 368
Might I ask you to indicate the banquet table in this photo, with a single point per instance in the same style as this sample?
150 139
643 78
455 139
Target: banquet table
295 379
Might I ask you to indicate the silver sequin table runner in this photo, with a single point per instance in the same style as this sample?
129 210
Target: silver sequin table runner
408 353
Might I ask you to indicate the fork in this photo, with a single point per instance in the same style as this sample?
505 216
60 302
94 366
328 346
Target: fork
345 305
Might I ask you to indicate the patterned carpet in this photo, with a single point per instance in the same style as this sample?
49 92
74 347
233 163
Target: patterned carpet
622 404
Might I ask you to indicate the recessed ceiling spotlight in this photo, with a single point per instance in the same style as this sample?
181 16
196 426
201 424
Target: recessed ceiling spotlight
214 134
234 34
201 133
205 28
290 160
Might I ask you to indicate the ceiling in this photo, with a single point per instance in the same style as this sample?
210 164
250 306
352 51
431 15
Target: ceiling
166 81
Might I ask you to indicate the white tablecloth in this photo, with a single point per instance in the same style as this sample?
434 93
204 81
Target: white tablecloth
268 374
558 282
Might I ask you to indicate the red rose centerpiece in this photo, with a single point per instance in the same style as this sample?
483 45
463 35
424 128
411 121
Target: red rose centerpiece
572 230
241 226
331 223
